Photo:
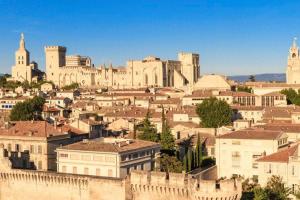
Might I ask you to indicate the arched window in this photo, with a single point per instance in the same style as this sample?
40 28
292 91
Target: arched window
146 79
293 55
155 79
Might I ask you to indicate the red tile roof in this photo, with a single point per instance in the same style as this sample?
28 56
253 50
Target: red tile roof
100 146
280 156
32 129
252 134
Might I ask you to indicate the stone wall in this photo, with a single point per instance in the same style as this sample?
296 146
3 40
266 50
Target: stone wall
141 185
158 186
28 185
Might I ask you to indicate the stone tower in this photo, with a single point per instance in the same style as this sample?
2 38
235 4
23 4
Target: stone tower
55 58
190 68
22 71
293 65
22 55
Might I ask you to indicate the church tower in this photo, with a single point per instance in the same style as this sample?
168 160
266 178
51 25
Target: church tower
293 65
22 55
22 70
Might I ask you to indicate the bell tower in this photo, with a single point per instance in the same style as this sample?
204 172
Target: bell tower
22 57
293 64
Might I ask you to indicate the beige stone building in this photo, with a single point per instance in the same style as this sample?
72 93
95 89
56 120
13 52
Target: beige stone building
109 157
152 71
236 152
284 163
31 145
24 70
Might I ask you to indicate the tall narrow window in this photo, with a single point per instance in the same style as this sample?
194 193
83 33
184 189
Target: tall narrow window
86 171
74 170
146 79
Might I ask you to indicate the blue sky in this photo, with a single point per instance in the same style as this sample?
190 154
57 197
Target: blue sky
232 37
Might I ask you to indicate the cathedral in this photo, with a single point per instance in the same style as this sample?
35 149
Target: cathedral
293 66
24 70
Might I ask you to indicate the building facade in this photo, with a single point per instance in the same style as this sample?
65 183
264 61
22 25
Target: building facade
152 71
107 157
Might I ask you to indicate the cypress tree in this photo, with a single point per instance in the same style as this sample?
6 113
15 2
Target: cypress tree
166 138
190 160
148 131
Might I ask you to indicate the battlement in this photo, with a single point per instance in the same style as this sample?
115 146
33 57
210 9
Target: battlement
45 178
182 186
52 48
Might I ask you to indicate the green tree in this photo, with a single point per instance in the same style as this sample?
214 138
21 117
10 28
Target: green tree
147 131
198 152
244 89
27 110
185 163
71 86
214 113
190 160
166 138
252 78
276 189
292 96
260 194
169 163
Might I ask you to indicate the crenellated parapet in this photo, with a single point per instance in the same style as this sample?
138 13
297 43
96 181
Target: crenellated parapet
159 185
55 48
46 178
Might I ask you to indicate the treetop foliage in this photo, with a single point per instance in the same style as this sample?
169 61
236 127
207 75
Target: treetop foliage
214 113
27 110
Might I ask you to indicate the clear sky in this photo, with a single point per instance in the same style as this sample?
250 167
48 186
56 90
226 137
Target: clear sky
232 37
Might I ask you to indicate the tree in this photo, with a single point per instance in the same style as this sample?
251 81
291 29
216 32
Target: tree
27 110
71 86
292 96
198 152
147 130
252 78
190 160
185 163
260 194
166 138
169 164
276 189
214 113
244 89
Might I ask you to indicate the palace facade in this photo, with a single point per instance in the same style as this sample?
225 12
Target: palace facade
151 71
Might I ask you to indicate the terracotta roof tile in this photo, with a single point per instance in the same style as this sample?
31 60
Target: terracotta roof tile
252 134
280 156
100 146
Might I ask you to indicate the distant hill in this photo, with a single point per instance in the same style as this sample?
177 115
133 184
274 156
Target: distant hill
280 77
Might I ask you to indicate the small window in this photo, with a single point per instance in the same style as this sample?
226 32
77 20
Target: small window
64 169
110 173
63 155
40 165
86 171
98 172
9 147
39 149
31 150
74 170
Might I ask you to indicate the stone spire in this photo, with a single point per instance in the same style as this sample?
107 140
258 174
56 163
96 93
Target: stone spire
22 42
